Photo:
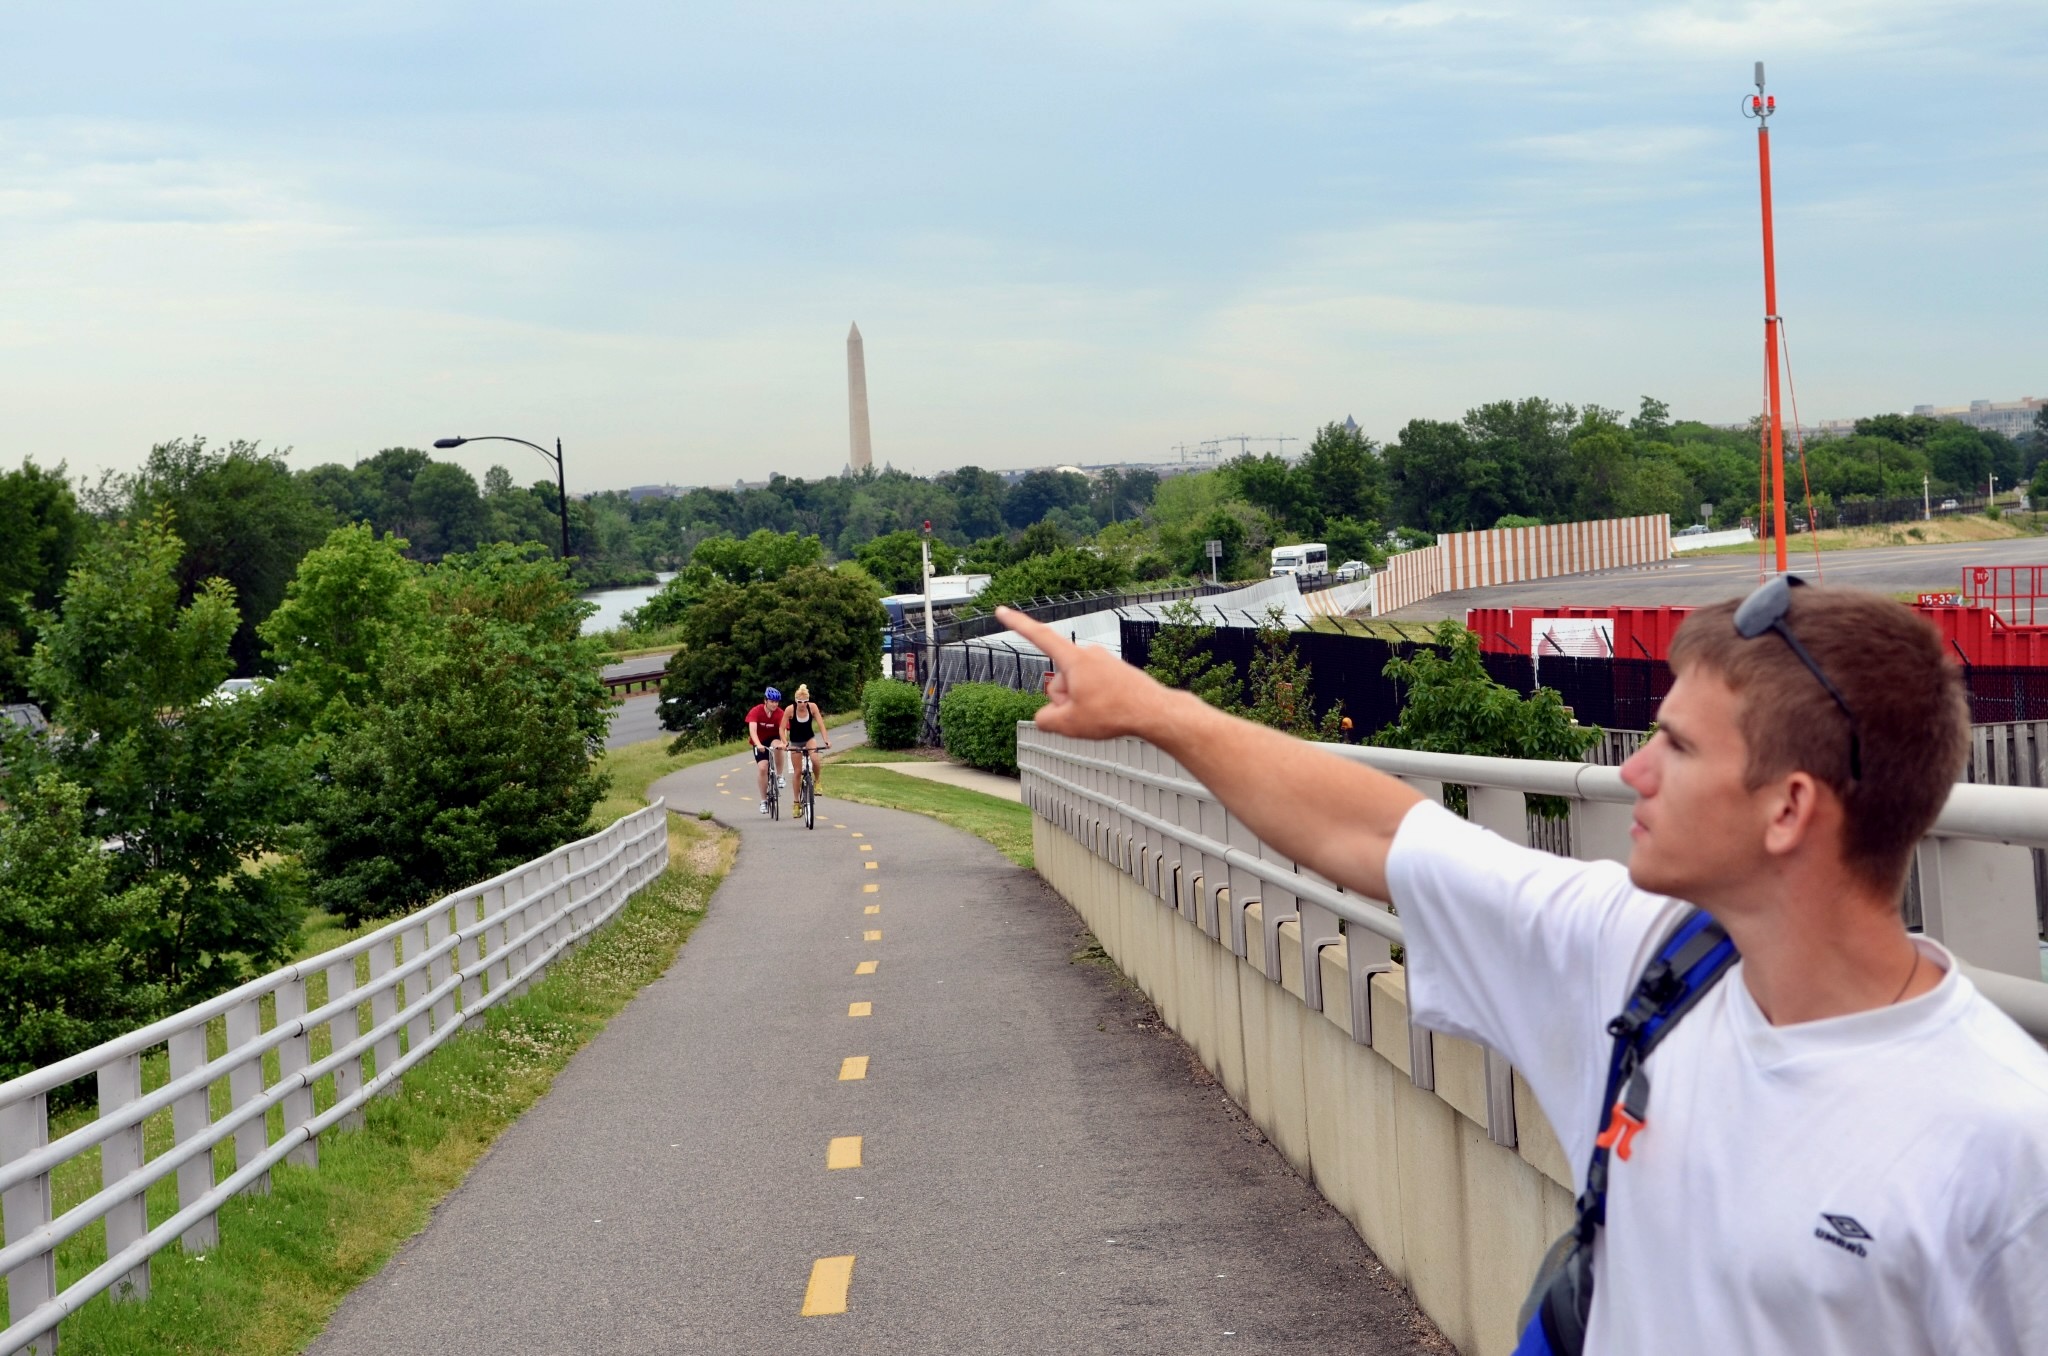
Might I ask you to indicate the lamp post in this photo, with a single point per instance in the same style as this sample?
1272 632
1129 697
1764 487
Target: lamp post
561 481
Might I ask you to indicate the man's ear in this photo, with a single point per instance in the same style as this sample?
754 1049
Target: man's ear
1794 810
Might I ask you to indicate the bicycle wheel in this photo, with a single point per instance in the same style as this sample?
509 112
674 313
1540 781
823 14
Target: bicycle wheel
810 797
774 794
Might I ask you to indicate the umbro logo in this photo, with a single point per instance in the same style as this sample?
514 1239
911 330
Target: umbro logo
1845 1233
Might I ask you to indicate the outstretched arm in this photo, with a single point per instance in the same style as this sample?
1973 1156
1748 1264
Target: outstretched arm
1334 816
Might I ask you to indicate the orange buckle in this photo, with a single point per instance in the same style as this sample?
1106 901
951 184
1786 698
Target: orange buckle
1620 1132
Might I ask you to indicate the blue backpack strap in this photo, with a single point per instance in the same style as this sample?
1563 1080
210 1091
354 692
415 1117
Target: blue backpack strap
1688 962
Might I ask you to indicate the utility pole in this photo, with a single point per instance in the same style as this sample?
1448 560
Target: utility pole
1926 500
1760 107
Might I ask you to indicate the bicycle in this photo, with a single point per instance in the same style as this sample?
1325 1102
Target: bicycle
774 788
807 793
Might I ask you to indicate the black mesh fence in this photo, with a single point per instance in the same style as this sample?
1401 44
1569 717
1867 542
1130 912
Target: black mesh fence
968 662
2001 692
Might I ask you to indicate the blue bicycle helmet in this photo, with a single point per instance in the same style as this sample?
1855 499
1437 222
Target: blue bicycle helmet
771 695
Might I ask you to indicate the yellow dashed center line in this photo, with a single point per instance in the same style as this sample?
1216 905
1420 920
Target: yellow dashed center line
857 835
867 847
853 1068
830 1278
865 968
871 864
873 935
871 889
860 1009
873 908
842 1152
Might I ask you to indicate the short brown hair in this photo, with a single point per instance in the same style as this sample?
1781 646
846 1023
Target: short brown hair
1911 715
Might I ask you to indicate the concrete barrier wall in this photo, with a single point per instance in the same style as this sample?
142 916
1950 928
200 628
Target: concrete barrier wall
1462 1220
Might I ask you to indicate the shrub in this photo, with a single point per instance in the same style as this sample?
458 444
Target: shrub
978 723
894 711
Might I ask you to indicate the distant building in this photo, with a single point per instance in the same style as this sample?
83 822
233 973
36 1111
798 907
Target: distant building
2013 418
638 492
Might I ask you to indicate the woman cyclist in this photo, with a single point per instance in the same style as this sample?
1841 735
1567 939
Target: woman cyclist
803 727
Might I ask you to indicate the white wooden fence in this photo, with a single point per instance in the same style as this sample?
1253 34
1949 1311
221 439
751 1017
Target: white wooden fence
429 975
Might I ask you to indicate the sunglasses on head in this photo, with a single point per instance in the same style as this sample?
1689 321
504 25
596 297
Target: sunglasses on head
1764 610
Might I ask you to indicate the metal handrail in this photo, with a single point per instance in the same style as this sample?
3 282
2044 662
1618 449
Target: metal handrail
2003 815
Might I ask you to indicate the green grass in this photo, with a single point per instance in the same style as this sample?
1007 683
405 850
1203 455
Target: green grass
1004 823
635 767
287 1258
867 753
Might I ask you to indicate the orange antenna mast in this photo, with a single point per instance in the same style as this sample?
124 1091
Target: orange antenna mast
1761 106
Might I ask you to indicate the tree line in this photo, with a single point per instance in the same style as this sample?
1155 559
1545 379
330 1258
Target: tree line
166 836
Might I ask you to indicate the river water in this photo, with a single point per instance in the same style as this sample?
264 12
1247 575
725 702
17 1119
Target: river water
614 604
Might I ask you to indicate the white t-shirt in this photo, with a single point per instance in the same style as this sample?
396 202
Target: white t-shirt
1876 1183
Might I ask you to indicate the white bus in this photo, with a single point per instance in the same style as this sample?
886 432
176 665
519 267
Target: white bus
1310 560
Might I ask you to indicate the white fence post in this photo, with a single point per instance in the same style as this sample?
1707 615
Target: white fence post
191 1118
292 1058
384 1005
120 1082
348 1075
245 1084
24 1128
417 985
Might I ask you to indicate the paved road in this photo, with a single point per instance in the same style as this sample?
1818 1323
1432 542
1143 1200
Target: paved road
1708 579
635 719
1043 1168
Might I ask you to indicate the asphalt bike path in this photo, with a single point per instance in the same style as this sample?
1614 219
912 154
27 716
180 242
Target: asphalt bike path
878 1085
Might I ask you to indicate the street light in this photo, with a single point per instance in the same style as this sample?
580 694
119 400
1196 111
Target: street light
561 482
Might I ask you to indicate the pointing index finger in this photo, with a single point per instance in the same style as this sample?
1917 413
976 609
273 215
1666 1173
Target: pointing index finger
1056 646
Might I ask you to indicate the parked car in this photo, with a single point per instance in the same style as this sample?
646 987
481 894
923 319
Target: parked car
1696 530
1352 569
1949 506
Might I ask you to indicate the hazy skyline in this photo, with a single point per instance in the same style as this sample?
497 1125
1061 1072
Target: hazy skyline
1068 232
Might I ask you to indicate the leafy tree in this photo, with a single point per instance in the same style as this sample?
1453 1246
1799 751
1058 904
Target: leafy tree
812 625
447 510
1653 421
1344 475
242 516
1277 691
761 557
1454 706
1040 492
194 789
1229 529
41 530
67 978
1042 538
1436 478
474 751
1067 570
1179 657
1267 482
897 560
355 602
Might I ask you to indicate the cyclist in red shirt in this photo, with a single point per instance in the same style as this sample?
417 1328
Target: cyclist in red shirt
764 732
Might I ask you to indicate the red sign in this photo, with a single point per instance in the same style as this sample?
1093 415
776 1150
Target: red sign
1941 600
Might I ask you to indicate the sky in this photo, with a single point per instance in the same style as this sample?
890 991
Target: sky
1070 231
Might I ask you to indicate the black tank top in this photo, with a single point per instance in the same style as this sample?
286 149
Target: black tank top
800 727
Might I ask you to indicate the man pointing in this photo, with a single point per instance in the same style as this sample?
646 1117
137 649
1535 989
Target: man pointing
1847 1150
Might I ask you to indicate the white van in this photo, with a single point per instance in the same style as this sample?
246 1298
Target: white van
1310 560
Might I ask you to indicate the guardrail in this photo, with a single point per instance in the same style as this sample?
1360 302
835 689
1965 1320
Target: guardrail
429 975
1132 803
625 684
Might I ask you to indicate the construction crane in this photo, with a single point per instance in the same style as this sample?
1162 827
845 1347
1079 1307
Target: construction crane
1279 443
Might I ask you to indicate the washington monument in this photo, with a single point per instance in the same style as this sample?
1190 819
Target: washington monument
857 401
